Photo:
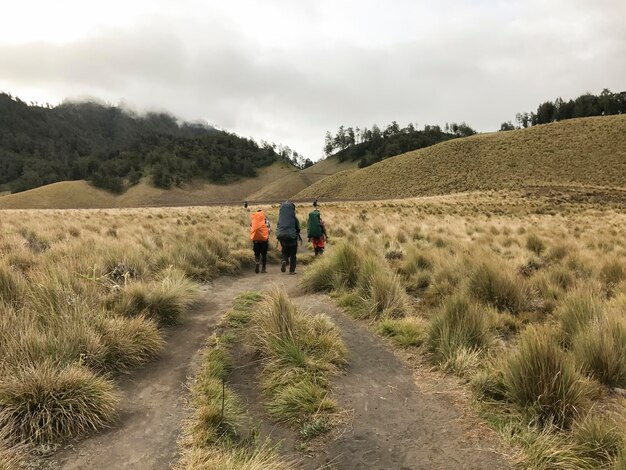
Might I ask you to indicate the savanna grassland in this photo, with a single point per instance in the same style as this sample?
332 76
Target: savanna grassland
576 152
521 295
85 297
524 299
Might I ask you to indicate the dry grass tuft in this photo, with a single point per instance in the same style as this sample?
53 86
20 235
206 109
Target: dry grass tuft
541 378
44 403
601 351
495 287
459 327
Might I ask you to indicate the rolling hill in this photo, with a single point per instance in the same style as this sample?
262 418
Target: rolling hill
113 147
81 194
576 152
273 183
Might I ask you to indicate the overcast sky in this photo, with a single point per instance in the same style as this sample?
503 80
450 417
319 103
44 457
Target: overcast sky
287 71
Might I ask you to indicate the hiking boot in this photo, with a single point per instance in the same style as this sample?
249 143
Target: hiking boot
256 268
283 266
292 272
263 270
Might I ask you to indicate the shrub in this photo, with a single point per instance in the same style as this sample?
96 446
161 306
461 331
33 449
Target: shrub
198 258
322 340
336 270
11 290
500 290
165 300
549 450
415 261
298 355
128 342
576 311
540 377
381 291
45 403
488 383
346 263
459 324
558 252
562 278
599 438
295 402
601 351
320 276
277 320
535 244
612 273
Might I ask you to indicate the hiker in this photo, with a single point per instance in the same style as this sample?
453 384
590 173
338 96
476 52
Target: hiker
315 203
288 234
316 231
245 204
260 230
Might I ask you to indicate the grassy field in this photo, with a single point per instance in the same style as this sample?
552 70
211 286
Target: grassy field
86 296
521 295
527 308
577 152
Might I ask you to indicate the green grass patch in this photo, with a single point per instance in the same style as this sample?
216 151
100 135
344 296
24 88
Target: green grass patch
218 435
405 332
241 311
299 354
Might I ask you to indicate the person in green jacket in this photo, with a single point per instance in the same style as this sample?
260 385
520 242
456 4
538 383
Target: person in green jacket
316 231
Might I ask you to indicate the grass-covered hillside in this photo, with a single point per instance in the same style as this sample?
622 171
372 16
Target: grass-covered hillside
294 181
82 195
587 152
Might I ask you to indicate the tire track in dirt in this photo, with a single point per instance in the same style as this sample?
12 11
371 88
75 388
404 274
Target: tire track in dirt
394 425
154 396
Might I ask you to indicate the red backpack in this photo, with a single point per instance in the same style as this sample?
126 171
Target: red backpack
258 229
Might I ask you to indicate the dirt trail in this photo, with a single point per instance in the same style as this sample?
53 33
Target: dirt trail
393 425
145 437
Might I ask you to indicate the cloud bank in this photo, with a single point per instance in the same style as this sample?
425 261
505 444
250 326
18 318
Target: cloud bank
288 71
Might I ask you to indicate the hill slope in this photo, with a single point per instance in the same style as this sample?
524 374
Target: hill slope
587 151
297 180
82 195
276 182
108 145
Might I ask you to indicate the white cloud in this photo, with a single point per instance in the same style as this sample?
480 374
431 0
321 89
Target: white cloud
288 71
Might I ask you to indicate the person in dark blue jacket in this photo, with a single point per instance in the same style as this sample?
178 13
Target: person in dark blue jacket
288 234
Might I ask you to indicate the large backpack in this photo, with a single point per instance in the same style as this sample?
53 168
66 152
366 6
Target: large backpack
258 230
314 225
287 221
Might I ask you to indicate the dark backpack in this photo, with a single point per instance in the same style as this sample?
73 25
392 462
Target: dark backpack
314 225
287 222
